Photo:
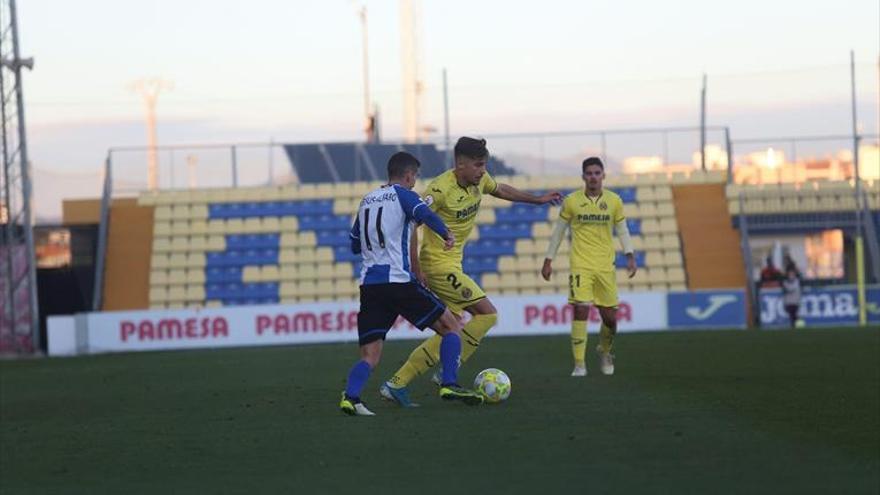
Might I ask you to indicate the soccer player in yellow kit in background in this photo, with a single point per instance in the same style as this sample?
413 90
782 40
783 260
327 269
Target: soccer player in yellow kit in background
591 213
455 196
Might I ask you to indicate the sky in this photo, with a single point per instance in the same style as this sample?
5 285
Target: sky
290 71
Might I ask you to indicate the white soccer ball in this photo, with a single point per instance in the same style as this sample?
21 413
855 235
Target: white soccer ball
493 384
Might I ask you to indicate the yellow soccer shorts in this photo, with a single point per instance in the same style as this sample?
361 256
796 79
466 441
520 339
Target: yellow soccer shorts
454 288
588 286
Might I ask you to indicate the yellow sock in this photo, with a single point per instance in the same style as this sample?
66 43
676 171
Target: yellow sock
473 333
424 357
606 338
578 341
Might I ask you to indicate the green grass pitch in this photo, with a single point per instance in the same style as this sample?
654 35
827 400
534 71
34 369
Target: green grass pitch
687 412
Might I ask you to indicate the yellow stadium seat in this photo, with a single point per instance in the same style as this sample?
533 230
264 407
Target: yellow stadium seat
530 281
668 225
161 229
670 241
177 277
195 276
308 271
270 225
252 225
665 209
672 258
305 255
491 281
325 289
180 244
541 230
654 258
307 288
287 272
506 264
177 260
645 193
662 193
270 273
198 212
159 261
216 226
289 239
162 213
195 293
324 255
233 226
675 275
680 286
250 274
180 212
345 289
632 210
638 243
650 226
161 245
158 277
343 270
524 246
177 294
179 228
198 227
654 275
647 210
288 289
215 243
196 260
528 264
486 216
158 295
308 239
289 224
288 256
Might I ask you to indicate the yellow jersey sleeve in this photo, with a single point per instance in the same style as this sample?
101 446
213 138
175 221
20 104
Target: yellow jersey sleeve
488 184
618 210
434 197
565 211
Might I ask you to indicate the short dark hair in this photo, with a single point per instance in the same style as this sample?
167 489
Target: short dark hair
471 148
593 160
400 163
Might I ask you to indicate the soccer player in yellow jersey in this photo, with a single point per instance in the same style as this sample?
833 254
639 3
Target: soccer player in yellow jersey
455 196
591 213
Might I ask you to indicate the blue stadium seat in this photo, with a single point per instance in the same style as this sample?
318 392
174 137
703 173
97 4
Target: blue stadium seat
237 242
343 253
490 247
325 222
634 225
627 194
506 231
620 259
522 213
334 238
247 257
217 274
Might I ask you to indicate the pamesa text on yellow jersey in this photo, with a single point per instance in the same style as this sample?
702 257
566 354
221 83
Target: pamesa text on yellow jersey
591 221
457 206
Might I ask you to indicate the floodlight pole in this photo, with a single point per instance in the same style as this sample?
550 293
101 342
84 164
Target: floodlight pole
860 250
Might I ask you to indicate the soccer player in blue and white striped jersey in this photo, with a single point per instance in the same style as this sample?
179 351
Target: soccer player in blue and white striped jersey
381 234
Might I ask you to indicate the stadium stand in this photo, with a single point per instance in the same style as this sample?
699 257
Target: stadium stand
229 247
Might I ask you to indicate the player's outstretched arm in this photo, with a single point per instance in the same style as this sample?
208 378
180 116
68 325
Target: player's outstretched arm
559 229
418 210
626 241
510 193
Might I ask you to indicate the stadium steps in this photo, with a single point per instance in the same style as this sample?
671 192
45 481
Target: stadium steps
711 246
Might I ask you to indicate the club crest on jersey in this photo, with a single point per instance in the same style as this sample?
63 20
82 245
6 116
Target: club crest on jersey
466 293
429 200
603 206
